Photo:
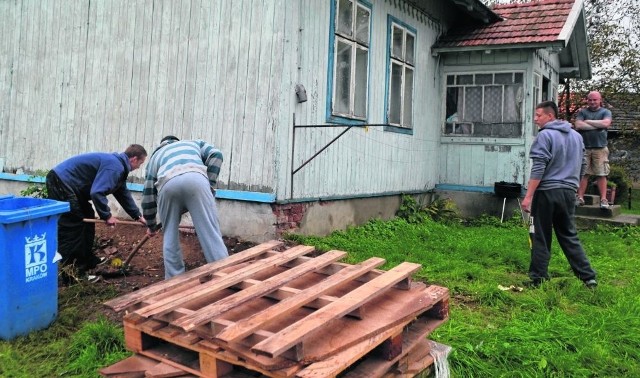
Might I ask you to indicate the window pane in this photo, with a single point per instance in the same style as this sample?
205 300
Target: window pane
343 78
513 95
362 26
492 104
395 93
407 112
409 50
465 79
484 79
504 78
396 42
450 79
518 78
345 15
362 62
472 104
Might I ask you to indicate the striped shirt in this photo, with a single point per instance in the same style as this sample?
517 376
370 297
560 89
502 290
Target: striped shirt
173 158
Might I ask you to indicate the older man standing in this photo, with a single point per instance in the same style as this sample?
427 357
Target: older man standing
592 123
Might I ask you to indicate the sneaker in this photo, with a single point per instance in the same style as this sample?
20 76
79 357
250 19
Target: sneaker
93 279
592 283
579 201
102 261
604 204
532 284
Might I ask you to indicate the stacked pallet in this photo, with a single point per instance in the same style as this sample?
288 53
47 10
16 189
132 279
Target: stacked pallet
282 312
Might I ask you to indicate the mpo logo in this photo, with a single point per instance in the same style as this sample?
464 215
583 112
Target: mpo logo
35 257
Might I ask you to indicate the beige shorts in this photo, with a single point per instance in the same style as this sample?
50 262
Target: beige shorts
597 161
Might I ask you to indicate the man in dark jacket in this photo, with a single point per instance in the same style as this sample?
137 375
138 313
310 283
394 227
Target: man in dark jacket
91 177
558 162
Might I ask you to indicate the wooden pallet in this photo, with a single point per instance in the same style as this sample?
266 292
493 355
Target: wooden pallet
282 313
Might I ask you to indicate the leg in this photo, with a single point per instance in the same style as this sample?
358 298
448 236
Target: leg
602 187
565 228
202 207
542 213
170 208
584 182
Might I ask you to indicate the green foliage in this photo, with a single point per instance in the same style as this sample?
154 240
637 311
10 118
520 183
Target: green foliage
35 189
619 177
443 210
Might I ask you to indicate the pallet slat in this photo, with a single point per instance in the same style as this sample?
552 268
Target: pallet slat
295 333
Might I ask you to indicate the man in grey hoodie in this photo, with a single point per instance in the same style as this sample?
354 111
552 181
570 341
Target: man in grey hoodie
558 163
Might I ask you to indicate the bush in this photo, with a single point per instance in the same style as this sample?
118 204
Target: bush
618 176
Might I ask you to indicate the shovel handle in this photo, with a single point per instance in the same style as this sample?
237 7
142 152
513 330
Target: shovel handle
135 250
133 223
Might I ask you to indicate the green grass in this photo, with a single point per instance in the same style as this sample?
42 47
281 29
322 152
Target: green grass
559 330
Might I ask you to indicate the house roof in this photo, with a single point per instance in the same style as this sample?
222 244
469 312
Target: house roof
553 24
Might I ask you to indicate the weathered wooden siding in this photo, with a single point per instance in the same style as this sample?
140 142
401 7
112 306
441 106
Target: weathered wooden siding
80 75
469 161
372 161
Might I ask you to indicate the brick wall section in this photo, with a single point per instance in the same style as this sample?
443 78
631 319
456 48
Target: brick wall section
288 216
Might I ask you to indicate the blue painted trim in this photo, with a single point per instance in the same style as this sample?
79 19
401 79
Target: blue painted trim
465 188
399 130
237 195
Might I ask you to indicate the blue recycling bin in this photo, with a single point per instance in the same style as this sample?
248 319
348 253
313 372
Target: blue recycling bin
28 271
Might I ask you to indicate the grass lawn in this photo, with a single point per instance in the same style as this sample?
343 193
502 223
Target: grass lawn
561 329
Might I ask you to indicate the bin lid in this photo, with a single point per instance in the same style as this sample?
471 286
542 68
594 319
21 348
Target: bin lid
18 209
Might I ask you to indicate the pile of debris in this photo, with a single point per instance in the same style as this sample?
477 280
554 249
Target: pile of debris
282 312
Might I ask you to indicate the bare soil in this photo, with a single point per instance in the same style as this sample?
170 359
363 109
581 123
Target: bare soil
146 267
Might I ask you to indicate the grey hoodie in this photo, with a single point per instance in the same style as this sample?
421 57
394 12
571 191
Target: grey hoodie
557 155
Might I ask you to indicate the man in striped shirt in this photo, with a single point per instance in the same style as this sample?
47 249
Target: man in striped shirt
181 176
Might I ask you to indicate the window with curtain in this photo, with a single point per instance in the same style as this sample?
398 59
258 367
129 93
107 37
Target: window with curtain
484 104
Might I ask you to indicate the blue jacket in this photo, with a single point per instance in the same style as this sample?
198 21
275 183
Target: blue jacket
95 175
557 156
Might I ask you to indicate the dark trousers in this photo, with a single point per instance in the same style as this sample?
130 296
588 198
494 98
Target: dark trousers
555 210
75 237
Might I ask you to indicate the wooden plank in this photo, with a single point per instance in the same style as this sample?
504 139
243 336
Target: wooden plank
295 333
342 360
131 365
126 301
213 310
219 283
248 325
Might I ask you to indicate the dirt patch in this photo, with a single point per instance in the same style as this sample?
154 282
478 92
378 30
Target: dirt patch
146 267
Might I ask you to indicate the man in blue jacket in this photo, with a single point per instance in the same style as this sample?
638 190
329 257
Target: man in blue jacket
91 177
558 162
181 176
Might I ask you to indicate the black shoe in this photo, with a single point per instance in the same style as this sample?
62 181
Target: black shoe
591 284
533 284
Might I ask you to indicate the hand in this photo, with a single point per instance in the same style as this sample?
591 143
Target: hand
525 205
151 233
142 220
111 221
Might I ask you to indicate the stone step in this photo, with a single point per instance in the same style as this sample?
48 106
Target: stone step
585 222
595 211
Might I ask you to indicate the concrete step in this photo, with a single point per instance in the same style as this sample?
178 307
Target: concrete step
585 222
595 211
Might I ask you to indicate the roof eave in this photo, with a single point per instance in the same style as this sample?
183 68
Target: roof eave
554 46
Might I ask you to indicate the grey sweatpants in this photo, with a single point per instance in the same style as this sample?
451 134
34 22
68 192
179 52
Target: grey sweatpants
189 192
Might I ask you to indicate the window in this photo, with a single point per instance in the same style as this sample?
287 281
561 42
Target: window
484 105
350 71
401 66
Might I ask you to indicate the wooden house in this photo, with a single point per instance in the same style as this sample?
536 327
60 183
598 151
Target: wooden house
327 111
